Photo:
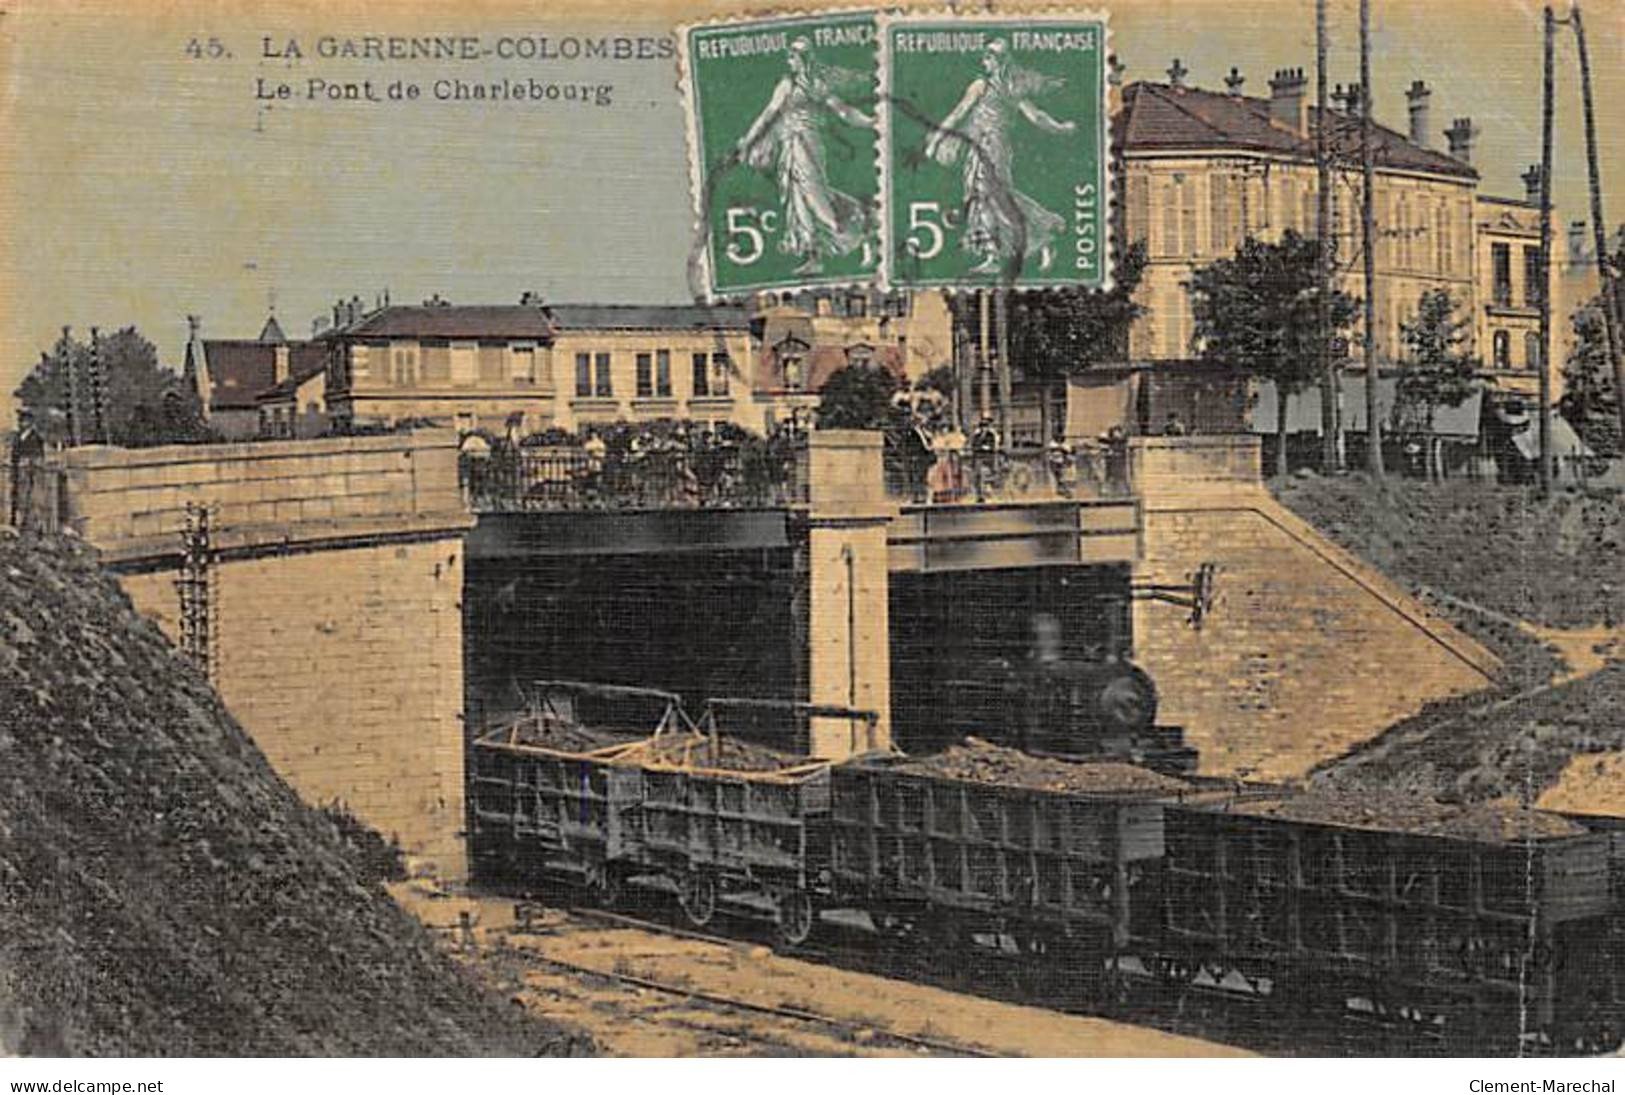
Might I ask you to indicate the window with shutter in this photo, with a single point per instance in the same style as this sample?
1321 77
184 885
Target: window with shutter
1189 243
663 373
1218 221
436 362
701 376
1168 246
646 376
1139 208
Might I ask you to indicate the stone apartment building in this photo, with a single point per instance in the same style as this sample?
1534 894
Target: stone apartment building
572 365
1204 170
230 376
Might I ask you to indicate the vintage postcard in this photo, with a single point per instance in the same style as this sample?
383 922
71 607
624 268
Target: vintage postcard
699 530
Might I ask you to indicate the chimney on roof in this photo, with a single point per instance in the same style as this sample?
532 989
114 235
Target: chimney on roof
1115 69
1348 99
1176 74
338 314
1416 97
1461 134
1233 82
1531 184
279 367
1289 101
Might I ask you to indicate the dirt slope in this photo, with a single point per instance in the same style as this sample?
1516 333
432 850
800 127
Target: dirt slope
1558 565
162 892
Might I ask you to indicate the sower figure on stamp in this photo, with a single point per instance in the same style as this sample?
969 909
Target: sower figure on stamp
1001 223
785 140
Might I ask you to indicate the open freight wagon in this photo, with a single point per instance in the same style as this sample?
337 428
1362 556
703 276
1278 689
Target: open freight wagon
1051 858
1485 930
547 800
737 826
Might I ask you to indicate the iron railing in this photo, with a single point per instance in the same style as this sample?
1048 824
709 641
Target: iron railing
1018 475
543 479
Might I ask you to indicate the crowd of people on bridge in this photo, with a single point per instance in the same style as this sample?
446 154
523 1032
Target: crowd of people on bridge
932 460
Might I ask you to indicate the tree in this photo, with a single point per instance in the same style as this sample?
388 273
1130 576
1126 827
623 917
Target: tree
143 403
1436 371
1590 400
1256 313
1056 333
1591 397
858 397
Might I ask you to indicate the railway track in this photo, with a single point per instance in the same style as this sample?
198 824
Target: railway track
1212 1012
854 1030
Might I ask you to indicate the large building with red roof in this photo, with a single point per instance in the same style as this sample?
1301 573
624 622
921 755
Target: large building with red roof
1204 170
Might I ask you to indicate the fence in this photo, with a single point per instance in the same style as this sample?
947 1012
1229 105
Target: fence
724 477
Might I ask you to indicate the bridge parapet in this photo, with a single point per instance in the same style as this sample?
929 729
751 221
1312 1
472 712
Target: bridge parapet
1159 465
132 503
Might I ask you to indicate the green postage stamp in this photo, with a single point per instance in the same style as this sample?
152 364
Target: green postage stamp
996 156
783 151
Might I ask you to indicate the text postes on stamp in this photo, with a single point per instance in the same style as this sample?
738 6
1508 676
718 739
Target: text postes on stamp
783 150
996 158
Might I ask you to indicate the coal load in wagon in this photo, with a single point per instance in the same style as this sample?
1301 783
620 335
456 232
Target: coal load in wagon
721 753
984 828
566 737
980 761
1487 822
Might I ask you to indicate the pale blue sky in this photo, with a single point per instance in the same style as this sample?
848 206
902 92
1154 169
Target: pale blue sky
139 185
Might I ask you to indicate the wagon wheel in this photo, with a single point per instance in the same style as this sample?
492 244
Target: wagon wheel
795 917
603 885
697 893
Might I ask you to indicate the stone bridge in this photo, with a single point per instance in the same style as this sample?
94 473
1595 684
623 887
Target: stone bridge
360 612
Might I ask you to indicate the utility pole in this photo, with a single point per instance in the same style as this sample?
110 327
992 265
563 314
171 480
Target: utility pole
984 366
1613 323
98 390
1323 217
1368 172
70 362
1550 26
1002 301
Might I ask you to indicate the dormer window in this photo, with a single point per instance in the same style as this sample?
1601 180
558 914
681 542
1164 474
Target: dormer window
791 353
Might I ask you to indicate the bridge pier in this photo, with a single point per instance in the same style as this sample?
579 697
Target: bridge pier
334 597
846 577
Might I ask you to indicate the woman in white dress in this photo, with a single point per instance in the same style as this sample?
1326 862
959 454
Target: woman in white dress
786 141
1001 223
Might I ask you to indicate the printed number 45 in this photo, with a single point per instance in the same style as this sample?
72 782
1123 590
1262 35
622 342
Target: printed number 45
747 230
923 226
